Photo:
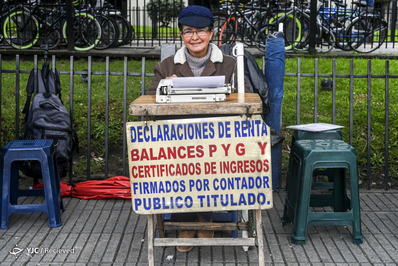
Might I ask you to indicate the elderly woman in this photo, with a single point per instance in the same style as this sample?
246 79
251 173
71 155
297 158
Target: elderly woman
198 57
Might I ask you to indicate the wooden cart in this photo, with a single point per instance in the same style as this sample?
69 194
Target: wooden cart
237 104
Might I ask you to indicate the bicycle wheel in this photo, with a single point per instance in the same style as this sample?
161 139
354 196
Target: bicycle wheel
109 32
219 20
325 41
339 31
261 36
21 29
52 37
305 33
86 31
228 32
291 28
366 34
126 31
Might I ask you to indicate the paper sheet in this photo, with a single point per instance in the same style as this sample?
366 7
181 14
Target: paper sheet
315 127
201 82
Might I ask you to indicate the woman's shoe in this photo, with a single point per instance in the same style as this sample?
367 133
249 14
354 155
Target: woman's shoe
186 234
204 233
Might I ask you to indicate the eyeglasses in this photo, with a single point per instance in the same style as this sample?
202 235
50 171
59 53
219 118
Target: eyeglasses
189 33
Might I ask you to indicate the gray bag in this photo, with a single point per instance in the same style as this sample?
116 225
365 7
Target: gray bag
49 119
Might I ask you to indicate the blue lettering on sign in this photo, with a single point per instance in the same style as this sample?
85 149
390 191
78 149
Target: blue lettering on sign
153 138
180 134
232 201
201 197
215 184
159 135
215 197
133 135
259 196
139 133
188 202
237 129
156 204
166 132
224 200
173 134
168 203
146 137
179 205
251 198
242 199
264 131
211 129
137 203
191 131
164 203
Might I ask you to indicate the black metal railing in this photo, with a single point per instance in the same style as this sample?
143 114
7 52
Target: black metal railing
152 22
104 98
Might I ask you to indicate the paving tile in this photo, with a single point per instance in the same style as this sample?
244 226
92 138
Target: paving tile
108 232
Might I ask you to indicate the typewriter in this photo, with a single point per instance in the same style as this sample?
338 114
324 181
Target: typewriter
177 90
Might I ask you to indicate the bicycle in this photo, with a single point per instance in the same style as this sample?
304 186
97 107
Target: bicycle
242 23
355 29
247 23
14 16
109 27
286 22
26 25
126 30
367 33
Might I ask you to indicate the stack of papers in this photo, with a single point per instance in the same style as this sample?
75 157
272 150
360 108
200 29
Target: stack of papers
315 127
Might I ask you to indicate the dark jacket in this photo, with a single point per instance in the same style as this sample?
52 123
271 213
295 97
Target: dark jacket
219 65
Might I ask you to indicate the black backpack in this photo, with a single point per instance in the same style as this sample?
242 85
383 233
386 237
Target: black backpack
47 118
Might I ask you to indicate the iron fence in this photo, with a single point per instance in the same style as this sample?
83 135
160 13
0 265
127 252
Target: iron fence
152 22
12 97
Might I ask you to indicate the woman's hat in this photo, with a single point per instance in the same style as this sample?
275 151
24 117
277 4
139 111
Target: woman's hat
196 16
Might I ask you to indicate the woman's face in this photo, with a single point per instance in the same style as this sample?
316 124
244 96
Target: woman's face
196 40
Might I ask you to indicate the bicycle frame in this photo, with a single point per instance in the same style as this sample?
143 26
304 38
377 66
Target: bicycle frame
243 15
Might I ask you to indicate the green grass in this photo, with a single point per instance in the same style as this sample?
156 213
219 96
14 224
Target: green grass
97 137
162 32
360 97
389 36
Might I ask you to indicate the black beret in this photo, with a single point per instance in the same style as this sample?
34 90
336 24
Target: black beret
196 16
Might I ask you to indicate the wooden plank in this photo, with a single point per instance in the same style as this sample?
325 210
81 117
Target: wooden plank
260 241
151 259
160 225
204 226
167 242
236 104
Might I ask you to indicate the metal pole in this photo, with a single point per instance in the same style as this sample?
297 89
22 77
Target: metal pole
311 49
393 20
69 26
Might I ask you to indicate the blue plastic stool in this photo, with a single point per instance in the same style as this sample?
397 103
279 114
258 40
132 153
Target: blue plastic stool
33 150
308 155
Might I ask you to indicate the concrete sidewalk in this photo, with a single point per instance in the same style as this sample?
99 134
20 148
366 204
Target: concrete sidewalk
108 232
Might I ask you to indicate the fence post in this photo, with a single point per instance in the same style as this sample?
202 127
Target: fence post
313 14
393 20
69 26
155 22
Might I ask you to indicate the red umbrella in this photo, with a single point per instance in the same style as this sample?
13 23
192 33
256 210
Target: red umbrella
117 187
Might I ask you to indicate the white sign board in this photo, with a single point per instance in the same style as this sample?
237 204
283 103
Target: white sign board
197 165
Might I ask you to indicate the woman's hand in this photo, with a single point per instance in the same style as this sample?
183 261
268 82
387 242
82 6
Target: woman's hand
172 76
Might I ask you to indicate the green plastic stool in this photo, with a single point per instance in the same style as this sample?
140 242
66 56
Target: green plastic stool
321 200
308 155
